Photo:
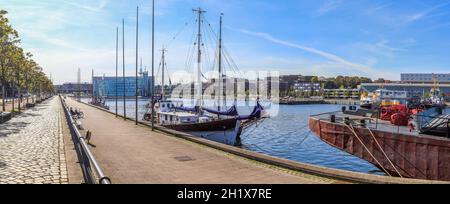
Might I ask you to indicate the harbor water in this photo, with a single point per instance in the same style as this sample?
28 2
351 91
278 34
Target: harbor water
285 135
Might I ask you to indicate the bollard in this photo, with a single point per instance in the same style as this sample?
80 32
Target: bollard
333 118
88 136
363 123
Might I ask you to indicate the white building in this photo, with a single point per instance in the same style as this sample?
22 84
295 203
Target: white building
425 78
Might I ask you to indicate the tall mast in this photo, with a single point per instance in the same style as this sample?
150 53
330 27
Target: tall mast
153 65
137 61
123 67
163 65
117 70
220 65
199 58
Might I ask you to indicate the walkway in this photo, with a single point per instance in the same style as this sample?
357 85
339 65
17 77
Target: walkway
8 105
134 154
31 147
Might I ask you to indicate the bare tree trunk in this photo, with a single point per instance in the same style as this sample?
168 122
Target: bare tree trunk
3 89
19 99
12 91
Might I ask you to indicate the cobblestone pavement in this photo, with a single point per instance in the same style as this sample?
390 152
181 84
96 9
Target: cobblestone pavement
32 148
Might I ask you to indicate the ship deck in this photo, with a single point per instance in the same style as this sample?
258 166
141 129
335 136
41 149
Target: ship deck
373 124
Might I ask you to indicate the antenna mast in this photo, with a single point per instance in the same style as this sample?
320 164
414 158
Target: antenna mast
163 64
220 94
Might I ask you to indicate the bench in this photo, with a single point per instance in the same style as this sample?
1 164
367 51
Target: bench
29 105
5 116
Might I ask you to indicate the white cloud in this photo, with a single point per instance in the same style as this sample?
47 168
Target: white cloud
97 8
422 14
341 61
376 8
383 44
328 6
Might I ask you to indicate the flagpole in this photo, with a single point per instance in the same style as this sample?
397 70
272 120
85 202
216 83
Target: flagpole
137 56
123 63
117 70
153 65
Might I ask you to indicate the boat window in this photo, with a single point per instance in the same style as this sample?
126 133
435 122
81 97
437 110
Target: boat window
171 118
165 117
163 105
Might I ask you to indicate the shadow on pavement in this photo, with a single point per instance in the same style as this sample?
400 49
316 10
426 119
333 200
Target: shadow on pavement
9 128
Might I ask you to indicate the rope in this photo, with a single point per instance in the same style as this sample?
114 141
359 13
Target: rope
384 153
365 147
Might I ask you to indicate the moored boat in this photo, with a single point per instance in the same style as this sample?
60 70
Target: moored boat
397 150
200 120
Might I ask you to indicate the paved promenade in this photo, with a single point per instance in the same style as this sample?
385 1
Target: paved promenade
134 154
32 148
8 105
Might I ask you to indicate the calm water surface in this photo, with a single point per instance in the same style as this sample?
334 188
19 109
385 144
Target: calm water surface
286 135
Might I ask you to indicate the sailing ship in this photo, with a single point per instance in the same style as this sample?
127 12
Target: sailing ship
200 120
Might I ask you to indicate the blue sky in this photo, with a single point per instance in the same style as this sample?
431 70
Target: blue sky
318 37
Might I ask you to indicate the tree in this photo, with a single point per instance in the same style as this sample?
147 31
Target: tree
380 80
18 71
347 93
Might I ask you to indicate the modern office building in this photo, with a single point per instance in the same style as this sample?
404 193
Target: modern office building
106 86
425 78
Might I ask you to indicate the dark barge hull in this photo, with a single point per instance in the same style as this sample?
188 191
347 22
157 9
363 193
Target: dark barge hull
218 125
421 157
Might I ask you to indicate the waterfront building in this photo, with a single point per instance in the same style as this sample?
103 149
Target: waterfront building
298 83
106 86
425 78
412 89
341 94
74 88
307 87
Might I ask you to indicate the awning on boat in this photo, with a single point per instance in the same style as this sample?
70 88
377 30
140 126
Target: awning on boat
231 112
256 113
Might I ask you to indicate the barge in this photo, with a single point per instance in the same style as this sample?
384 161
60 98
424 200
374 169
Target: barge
396 150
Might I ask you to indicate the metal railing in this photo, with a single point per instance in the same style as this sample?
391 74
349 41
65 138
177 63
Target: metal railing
92 172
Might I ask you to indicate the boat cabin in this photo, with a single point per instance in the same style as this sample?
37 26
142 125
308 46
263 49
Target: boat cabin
175 118
389 97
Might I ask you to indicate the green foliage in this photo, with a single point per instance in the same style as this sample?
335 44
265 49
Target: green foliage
17 68
345 82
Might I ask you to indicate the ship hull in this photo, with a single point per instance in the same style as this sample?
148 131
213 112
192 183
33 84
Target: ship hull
218 125
421 157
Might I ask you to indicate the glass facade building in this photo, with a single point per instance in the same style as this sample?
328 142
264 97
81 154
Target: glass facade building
106 86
